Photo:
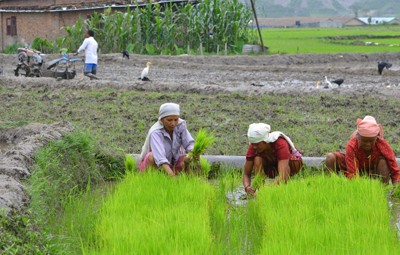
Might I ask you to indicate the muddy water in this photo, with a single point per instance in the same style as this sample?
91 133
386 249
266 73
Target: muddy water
394 205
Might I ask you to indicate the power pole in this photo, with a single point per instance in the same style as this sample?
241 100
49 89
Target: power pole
258 27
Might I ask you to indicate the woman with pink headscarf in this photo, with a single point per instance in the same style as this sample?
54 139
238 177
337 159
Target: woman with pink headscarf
367 153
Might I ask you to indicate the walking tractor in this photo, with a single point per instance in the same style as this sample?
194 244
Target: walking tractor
31 64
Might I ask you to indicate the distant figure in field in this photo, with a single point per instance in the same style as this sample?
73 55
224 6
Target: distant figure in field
90 46
367 153
269 153
167 143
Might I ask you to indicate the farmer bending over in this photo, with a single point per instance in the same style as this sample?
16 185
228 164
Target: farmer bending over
89 45
367 153
272 154
167 141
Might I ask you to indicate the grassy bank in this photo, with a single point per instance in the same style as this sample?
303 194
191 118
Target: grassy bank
120 119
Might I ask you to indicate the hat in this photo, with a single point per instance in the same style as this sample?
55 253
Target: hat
168 109
368 127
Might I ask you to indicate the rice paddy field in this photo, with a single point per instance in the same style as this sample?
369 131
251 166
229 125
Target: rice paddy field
329 40
88 201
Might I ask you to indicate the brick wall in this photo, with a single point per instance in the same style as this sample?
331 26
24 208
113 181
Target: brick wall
44 22
41 24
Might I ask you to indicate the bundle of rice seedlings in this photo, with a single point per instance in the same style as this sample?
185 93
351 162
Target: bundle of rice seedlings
130 163
205 166
258 181
202 141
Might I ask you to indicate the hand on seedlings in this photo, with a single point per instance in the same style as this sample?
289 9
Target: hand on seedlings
192 159
250 190
395 191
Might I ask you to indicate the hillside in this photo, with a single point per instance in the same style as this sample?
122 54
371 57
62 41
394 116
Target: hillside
320 8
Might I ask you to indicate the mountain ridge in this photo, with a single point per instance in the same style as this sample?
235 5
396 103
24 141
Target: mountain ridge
321 8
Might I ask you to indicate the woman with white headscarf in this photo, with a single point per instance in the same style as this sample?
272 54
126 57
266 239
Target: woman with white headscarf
167 142
269 153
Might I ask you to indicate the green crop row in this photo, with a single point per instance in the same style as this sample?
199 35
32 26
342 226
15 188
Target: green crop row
332 40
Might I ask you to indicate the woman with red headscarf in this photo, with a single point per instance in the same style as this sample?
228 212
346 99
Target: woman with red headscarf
367 153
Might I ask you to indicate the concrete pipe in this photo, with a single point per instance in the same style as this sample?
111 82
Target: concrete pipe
238 161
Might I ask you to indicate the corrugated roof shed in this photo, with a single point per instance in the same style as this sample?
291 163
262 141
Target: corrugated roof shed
69 5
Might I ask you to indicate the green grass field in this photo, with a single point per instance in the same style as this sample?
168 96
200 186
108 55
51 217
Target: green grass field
332 40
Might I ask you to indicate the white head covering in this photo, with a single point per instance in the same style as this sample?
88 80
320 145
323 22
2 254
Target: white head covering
259 132
166 109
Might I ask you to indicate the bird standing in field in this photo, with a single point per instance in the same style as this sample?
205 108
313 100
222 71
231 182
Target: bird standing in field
125 54
328 84
145 72
338 81
382 65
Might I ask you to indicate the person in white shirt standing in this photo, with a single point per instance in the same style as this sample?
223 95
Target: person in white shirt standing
90 46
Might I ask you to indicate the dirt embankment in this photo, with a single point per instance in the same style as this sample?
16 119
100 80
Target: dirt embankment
17 147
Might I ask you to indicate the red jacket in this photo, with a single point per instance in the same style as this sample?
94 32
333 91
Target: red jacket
356 158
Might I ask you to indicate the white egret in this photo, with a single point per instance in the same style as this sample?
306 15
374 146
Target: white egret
145 72
328 84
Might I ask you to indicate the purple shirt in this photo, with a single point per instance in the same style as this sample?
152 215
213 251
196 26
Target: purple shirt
167 150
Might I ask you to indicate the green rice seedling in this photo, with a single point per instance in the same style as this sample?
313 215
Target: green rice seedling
258 181
202 141
320 40
130 163
235 225
205 166
326 215
76 224
151 213
395 192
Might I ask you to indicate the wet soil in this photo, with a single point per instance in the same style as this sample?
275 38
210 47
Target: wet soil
241 74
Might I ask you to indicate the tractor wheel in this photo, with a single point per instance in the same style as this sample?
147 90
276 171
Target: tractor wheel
70 75
22 57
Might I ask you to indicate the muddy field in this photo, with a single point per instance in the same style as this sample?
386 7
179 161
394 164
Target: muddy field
242 74
278 74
